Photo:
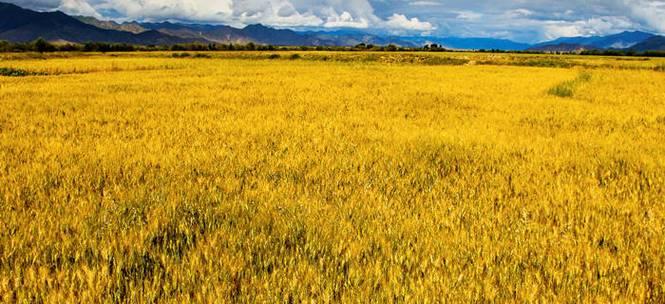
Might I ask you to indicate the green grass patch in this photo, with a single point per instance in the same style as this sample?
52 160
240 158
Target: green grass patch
188 55
567 88
564 89
541 62
12 72
181 55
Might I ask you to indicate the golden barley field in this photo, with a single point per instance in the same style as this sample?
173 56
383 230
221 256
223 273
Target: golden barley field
332 178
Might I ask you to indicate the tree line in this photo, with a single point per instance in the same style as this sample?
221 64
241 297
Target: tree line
43 46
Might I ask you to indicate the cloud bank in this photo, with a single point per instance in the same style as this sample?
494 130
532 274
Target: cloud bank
281 13
527 21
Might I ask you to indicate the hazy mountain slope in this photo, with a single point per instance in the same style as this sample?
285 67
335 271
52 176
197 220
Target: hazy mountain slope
656 43
617 41
132 27
18 24
561 47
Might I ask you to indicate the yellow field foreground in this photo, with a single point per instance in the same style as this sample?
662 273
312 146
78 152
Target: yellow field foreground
136 179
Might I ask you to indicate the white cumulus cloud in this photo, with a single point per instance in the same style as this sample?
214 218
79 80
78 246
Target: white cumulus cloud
78 7
401 22
198 10
282 13
651 12
345 19
589 27
469 15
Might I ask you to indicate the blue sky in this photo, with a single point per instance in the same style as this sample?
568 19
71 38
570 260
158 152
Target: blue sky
520 20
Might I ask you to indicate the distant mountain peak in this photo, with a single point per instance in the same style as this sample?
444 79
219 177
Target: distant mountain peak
6 5
257 26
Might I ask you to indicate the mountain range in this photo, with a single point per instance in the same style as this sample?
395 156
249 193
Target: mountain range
624 40
22 25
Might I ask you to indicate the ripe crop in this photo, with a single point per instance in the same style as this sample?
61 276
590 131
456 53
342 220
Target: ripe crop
332 177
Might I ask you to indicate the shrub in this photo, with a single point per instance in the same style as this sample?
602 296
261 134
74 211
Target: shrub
43 46
266 47
274 56
11 72
295 56
181 55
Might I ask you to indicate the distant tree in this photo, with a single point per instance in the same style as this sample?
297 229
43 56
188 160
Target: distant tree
177 47
5 46
90 47
70 48
103 47
654 53
43 46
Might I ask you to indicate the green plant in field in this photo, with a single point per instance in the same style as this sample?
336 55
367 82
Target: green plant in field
546 62
564 89
181 55
567 88
584 76
11 72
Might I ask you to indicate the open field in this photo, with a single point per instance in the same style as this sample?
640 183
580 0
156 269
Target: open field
332 177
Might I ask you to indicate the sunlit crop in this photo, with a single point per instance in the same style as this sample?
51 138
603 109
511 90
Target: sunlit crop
332 177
